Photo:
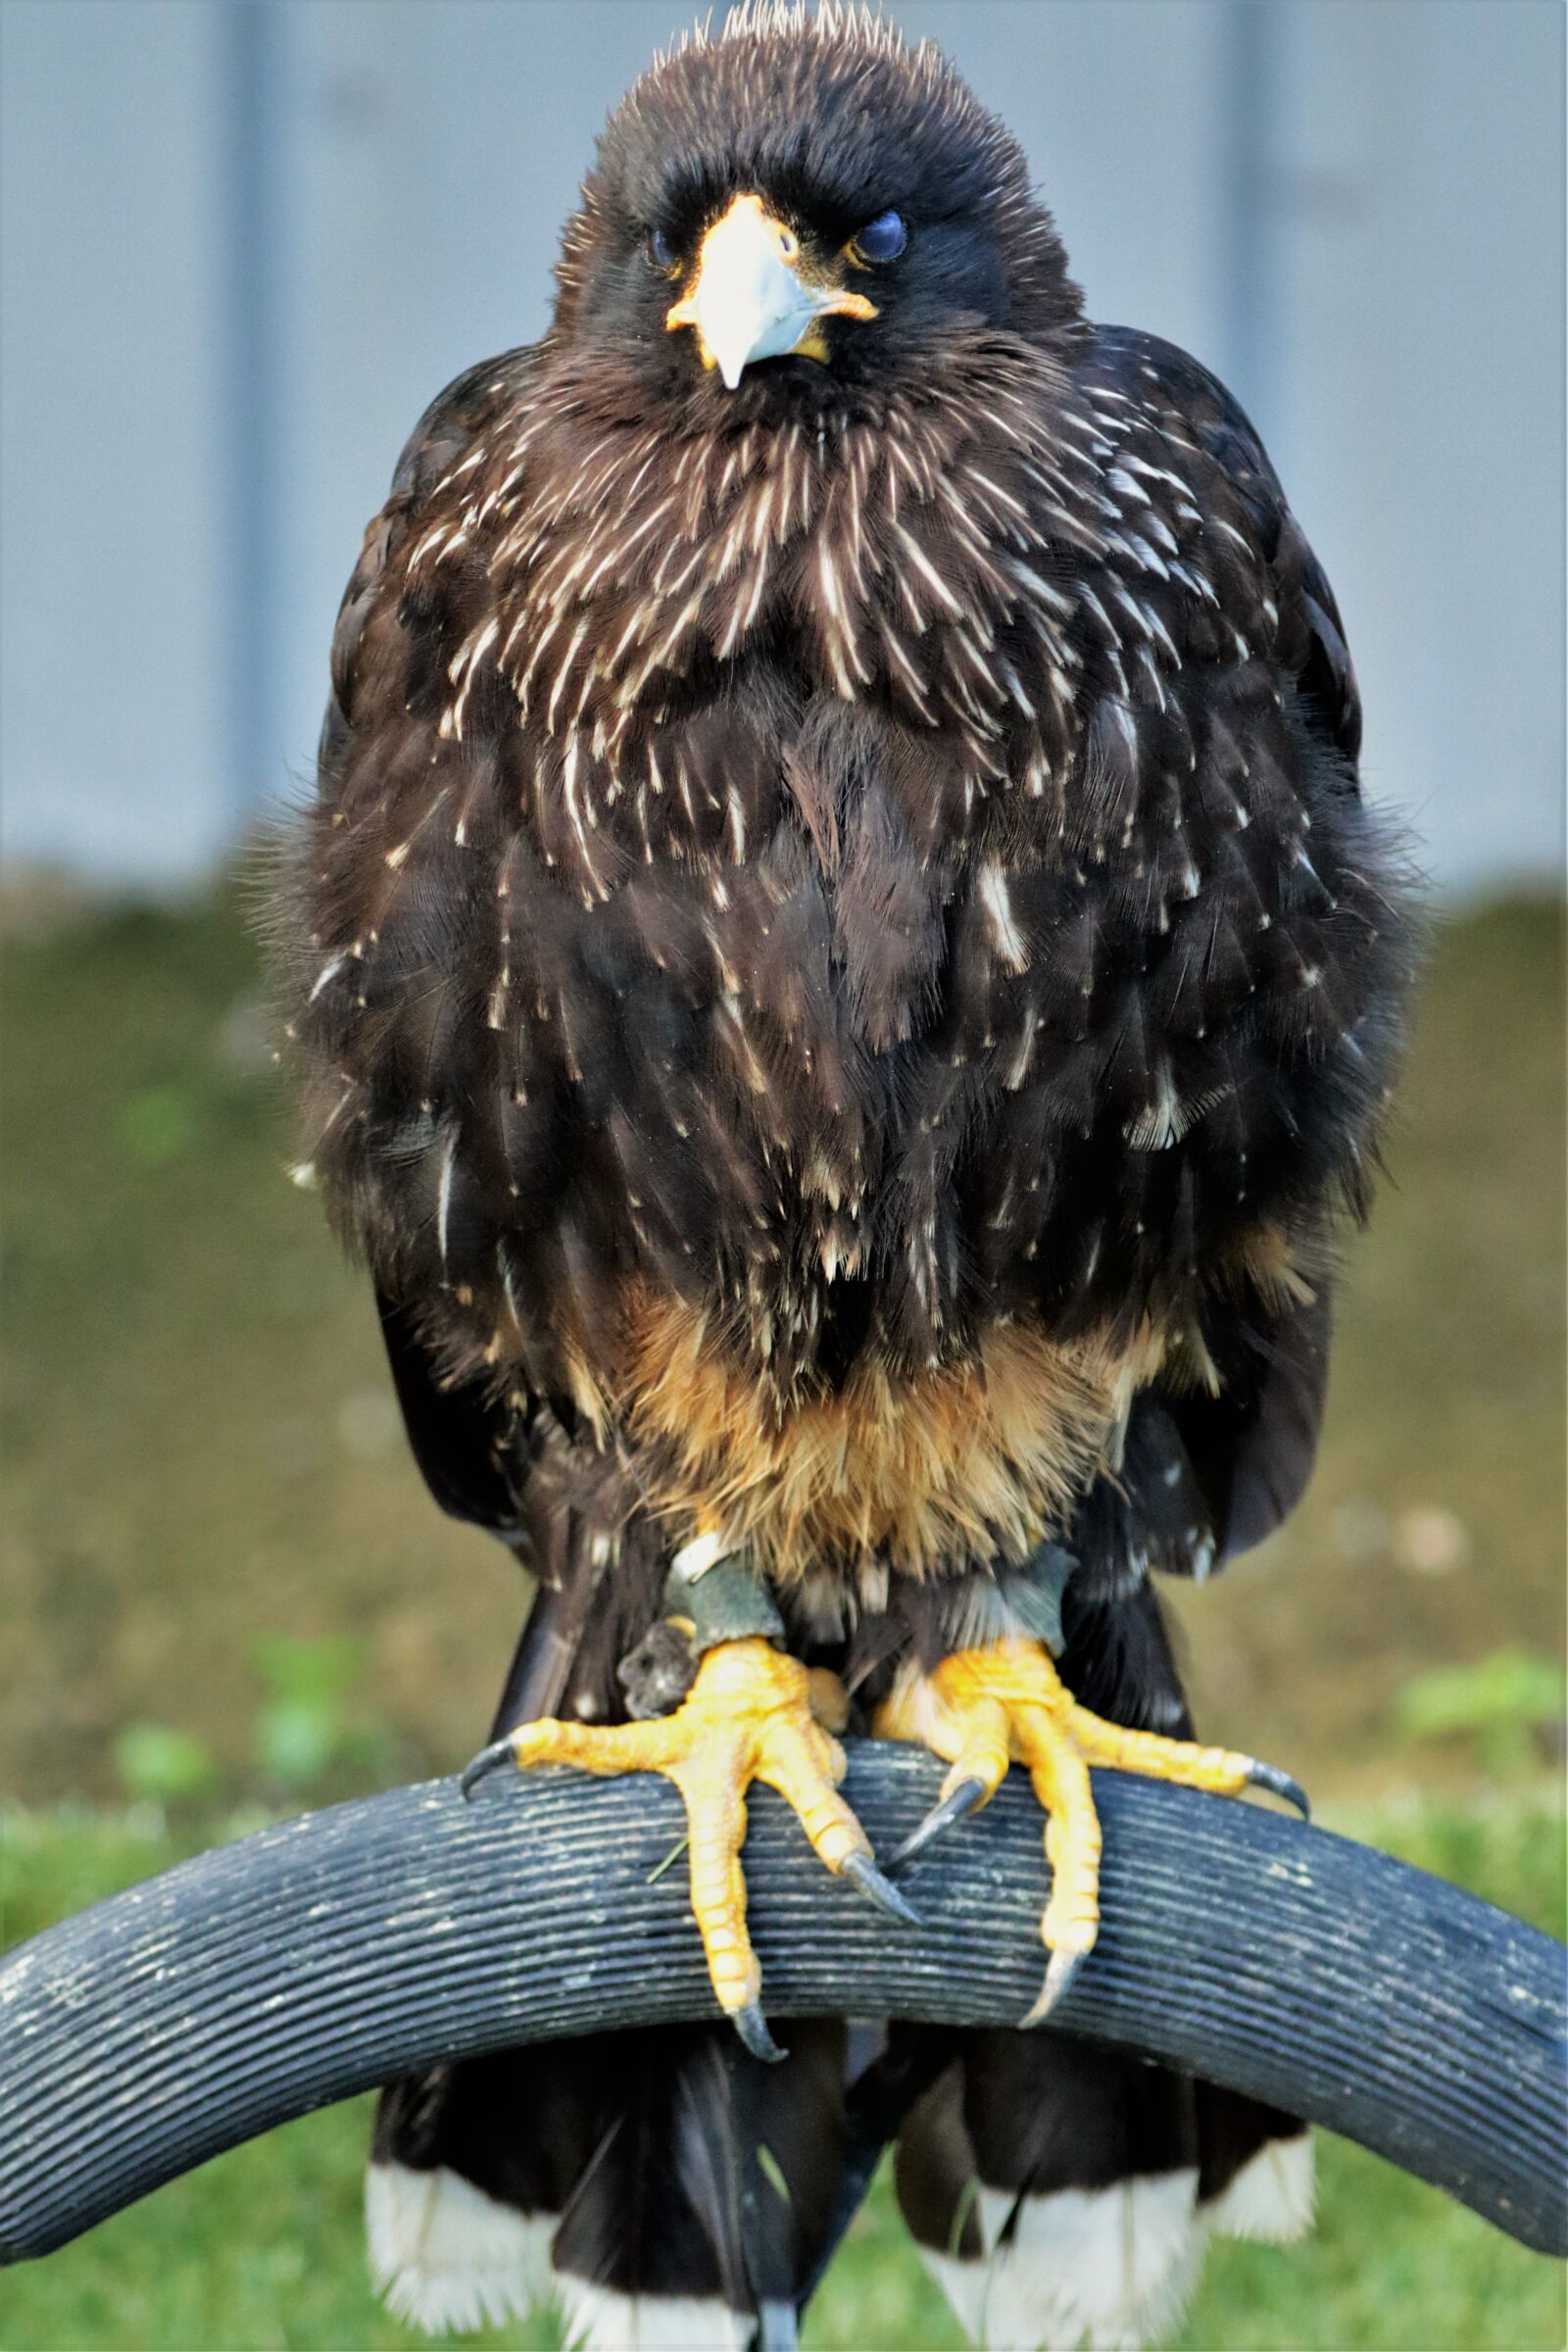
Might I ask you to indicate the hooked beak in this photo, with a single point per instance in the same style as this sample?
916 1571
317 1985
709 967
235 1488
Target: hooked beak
750 298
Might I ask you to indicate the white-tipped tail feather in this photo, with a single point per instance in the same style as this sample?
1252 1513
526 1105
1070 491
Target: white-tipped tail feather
1101 2268
1110 2270
447 2257
599 2321
1272 2196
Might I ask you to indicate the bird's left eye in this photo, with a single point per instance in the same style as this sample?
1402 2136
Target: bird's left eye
661 252
880 241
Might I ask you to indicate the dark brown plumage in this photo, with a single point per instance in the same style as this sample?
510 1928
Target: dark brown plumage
844 980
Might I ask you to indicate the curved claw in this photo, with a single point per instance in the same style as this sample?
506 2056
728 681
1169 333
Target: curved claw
752 2027
489 1759
1280 1784
953 1807
1060 1972
871 1881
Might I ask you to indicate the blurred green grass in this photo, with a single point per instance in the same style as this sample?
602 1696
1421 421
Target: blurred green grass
262 2247
225 1585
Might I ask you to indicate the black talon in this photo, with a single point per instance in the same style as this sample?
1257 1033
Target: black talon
489 1759
752 2027
1280 1784
1060 1972
871 1881
953 1807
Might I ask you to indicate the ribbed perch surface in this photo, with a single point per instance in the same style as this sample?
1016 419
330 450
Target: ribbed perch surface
312 1961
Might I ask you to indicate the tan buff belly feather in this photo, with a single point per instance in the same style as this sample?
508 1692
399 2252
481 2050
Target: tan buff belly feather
980 1458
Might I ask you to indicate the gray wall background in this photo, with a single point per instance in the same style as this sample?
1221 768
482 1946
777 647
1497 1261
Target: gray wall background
243 242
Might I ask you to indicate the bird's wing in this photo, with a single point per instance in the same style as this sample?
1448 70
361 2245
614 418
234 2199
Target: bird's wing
1206 560
1205 1475
1309 646
1249 1448
465 1437
383 928
451 426
467 1440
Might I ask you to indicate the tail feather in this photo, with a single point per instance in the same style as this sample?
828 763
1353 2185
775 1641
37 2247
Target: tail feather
1063 2197
656 2212
1109 2269
664 2188
599 2318
1258 2180
461 2206
715 2189
445 2256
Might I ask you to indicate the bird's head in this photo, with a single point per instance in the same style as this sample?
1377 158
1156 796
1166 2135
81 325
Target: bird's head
803 214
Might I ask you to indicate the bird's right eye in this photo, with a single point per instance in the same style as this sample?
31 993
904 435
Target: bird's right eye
661 253
880 241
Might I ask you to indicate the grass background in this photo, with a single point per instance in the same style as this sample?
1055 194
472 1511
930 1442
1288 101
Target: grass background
224 1586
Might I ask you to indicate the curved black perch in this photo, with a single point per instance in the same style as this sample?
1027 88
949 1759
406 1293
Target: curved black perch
315 1960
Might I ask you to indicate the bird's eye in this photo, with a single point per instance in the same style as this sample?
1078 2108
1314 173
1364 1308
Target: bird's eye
880 241
661 252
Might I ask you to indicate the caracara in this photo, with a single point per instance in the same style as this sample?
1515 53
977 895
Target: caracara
845 982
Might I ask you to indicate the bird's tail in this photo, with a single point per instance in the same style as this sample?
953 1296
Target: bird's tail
663 2189
1063 2196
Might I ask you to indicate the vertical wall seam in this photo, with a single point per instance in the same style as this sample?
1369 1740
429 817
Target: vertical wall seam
1250 188
250 31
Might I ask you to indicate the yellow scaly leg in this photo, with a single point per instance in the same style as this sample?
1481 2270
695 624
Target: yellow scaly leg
982 1709
754 1713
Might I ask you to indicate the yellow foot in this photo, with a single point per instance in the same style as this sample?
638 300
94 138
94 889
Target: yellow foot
982 1709
752 1714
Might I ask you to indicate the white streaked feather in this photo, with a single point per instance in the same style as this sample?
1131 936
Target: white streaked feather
1162 1121
1006 936
446 2257
1272 2195
443 1200
1102 2270
599 2321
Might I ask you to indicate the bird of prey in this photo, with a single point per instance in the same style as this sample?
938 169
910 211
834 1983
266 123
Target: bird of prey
844 986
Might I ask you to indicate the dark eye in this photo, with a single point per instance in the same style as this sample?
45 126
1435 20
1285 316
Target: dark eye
880 241
661 252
